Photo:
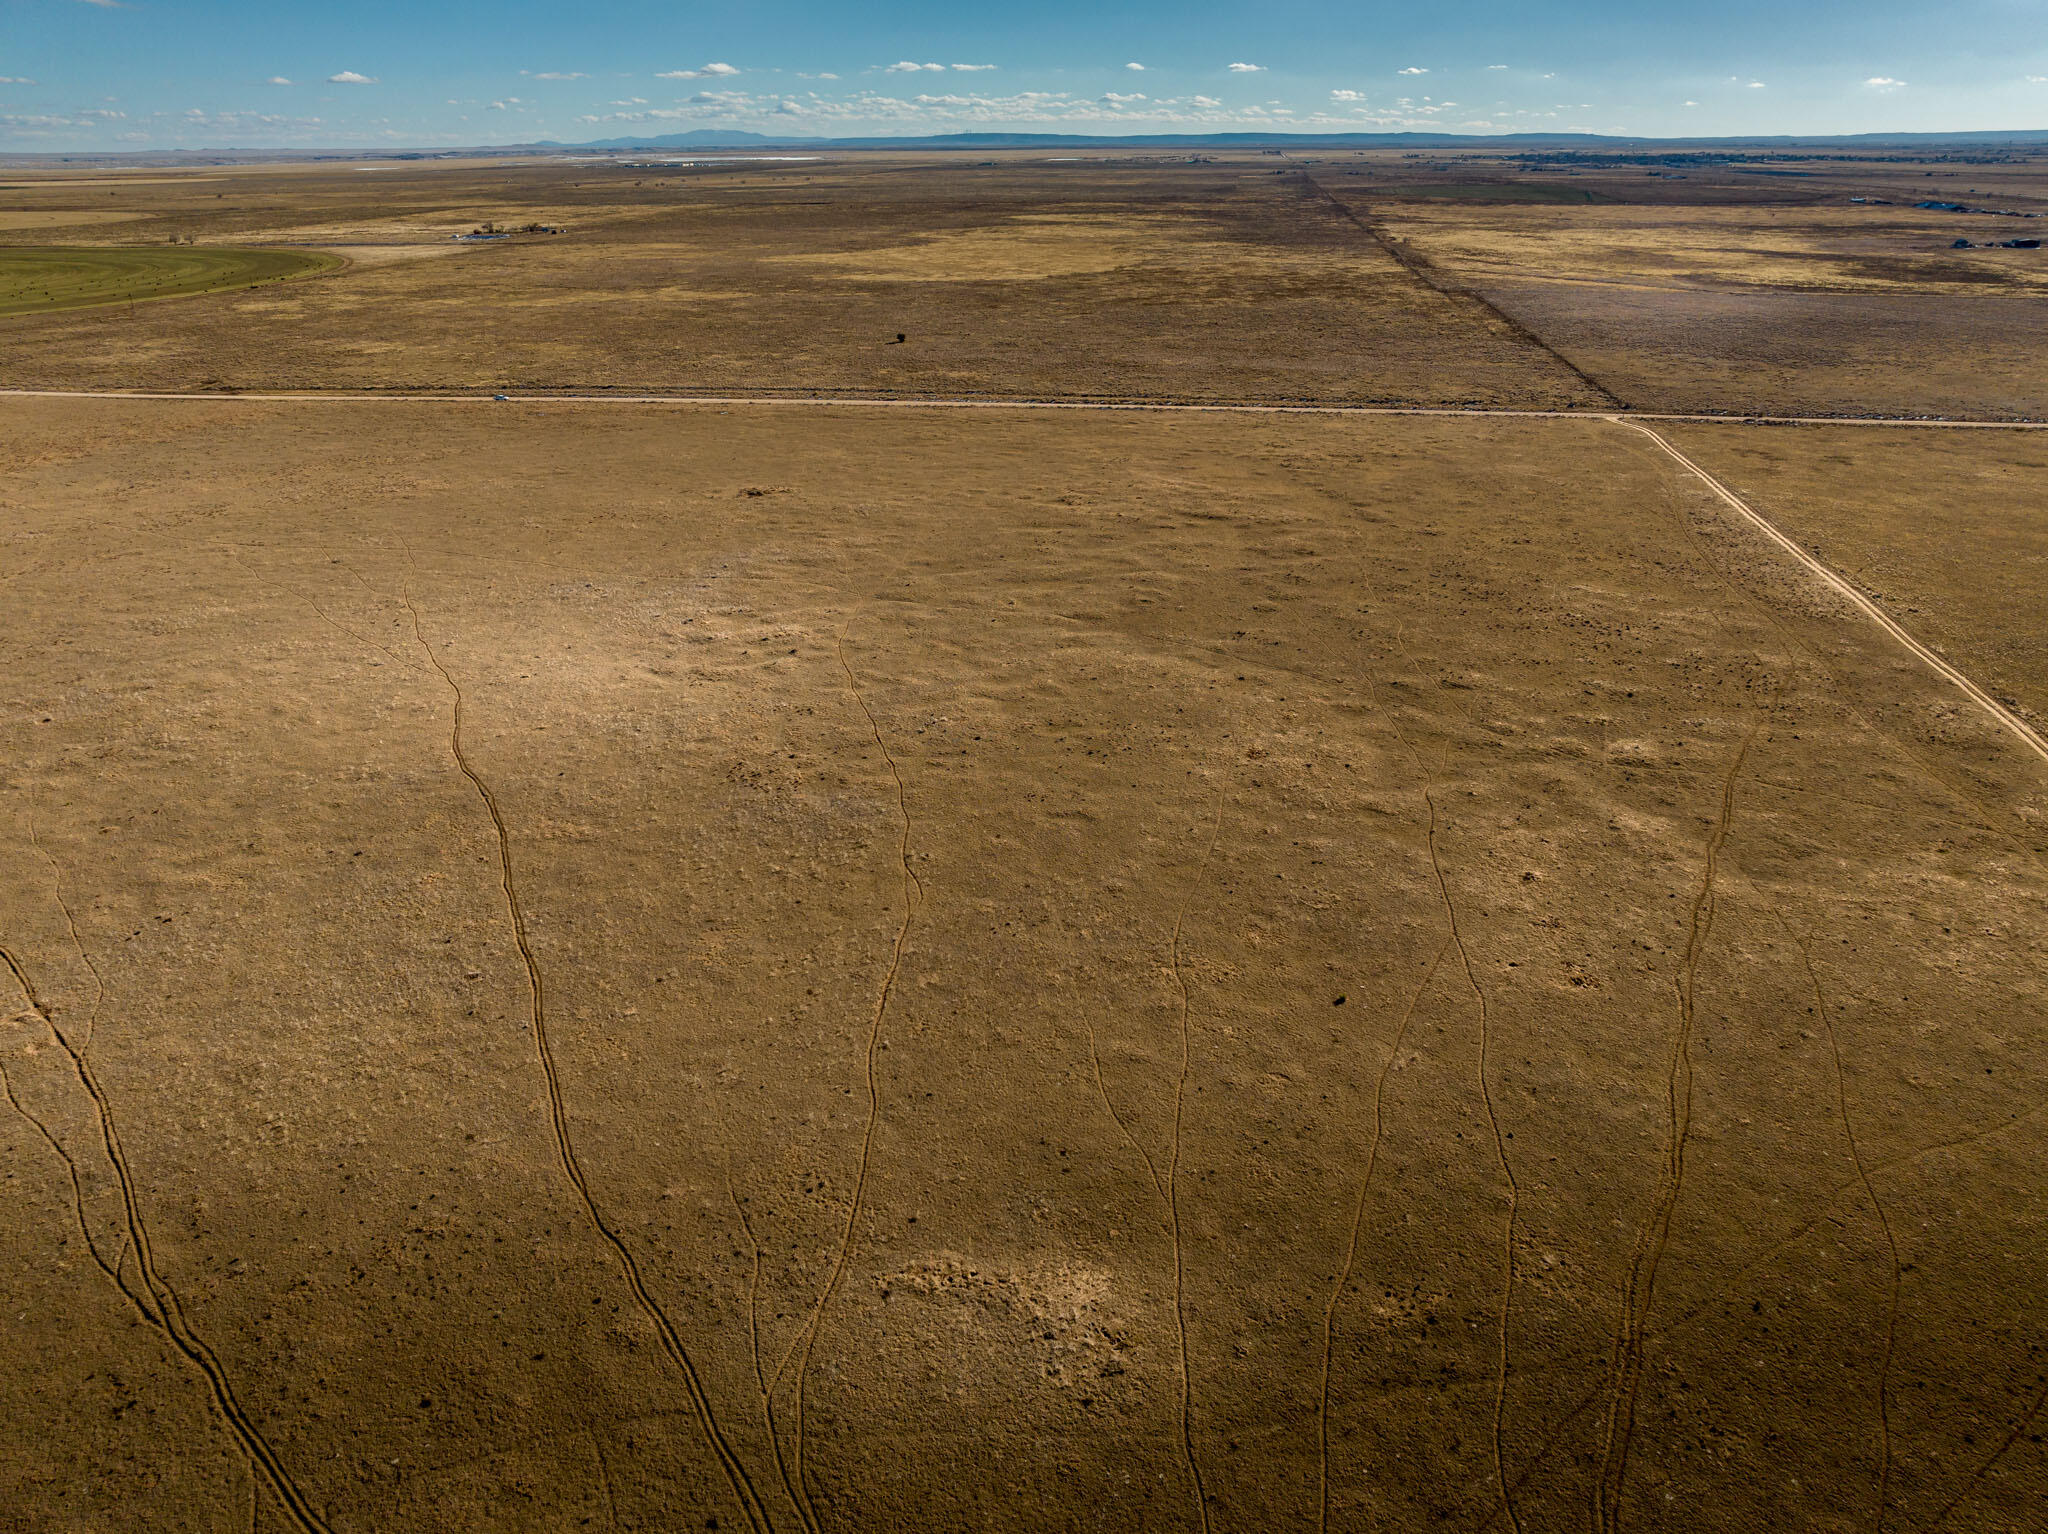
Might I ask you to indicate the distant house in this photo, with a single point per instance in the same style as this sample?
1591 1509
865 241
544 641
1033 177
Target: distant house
1962 245
2022 244
1942 207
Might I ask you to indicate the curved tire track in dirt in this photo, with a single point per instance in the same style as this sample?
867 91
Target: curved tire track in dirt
913 902
1640 1291
164 1311
565 1146
1180 1093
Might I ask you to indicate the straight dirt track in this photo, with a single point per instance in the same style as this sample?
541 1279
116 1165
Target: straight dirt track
2028 737
1204 407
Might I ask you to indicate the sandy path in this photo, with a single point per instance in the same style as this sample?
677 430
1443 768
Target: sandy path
2006 719
2011 722
1184 407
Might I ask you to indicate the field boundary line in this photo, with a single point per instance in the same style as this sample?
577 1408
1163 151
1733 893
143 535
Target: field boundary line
951 402
2017 727
1425 271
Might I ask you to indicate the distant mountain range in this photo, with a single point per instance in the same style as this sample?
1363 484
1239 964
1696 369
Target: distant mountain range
733 138
737 139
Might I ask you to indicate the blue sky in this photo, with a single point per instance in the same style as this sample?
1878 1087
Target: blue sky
260 73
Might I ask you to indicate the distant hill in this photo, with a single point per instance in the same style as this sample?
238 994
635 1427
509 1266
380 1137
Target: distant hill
696 138
733 138
713 139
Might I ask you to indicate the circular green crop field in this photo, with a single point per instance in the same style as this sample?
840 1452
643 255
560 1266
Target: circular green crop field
38 277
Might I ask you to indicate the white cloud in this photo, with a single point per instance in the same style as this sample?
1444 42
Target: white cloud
1347 95
1756 85
15 80
1496 66
1138 67
196 119
1883 83
974 69
350 77
1411 70
874 109
1247 69
36 124
556 74
1689 103
708 72
277 80
630 101
911 67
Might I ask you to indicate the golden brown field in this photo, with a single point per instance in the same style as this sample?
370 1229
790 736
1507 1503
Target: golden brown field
830 967
1740 289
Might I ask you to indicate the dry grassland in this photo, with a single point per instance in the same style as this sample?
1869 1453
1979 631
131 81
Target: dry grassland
1950 534
1715 288
1086 962
1221 281
829 969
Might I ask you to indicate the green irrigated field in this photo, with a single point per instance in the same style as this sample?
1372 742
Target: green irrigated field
37 277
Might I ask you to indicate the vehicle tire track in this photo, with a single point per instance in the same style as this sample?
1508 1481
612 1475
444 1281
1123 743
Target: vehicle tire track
736 1476
1130 1135
1379 1094
165 1311
1891 1240
1700 1312
2029 738
814 399
754 1347
99 982
604 1481
1500 1147
77 1190
234 553
913 902
1503 1488
1976 1478
1985 818
1639 1291
1180 1324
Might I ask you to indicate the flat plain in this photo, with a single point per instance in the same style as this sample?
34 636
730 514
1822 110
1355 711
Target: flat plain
831 966
36 280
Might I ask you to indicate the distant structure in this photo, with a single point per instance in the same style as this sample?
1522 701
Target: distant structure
490 231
